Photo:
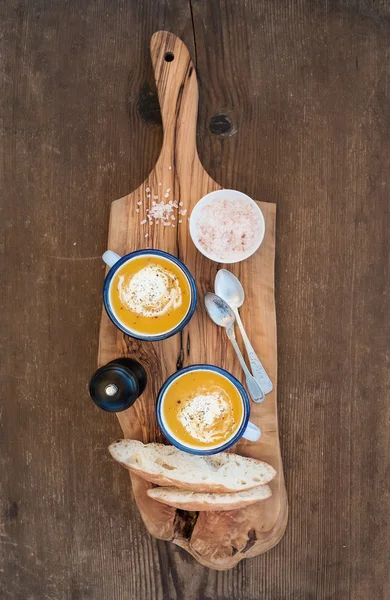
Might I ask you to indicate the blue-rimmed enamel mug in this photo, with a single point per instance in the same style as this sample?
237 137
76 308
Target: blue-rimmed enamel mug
246 429
115 262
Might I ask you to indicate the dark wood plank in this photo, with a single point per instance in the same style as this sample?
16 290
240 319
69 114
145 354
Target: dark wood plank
294 109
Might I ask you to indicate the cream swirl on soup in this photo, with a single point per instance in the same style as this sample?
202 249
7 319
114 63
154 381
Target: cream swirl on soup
207 415
151 292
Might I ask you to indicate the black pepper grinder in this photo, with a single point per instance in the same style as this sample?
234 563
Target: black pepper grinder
117 385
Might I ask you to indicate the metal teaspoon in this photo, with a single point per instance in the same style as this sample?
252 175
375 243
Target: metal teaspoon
221 313
230 289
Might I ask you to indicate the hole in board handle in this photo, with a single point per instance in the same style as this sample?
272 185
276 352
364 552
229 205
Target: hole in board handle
169 56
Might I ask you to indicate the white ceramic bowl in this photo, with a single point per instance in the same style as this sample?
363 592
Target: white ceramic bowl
228 195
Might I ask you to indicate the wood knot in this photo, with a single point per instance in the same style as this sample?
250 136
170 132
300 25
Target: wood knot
180 360
184 523
148 106
252 537
221 125
12 511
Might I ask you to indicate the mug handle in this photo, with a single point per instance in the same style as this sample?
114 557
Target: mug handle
251 433
110 258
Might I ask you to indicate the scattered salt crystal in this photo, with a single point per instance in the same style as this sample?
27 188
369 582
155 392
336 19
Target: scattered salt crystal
166 195
173 217
180 221
162 212
74 243
180 203
137 210
148 196
183 212
147 189
160 183
170 168
175 205
173 225
143 222
168 190
155 197
146 235
139 203
157 222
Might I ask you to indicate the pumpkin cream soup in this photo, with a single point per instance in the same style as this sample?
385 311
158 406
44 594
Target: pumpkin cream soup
202 409
150 295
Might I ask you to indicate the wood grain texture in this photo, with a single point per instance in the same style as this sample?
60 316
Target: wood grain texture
216 540
301 92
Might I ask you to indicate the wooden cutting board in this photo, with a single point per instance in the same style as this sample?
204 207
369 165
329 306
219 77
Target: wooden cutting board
217 540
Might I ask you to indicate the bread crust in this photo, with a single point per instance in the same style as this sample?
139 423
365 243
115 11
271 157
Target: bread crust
197 484
197 501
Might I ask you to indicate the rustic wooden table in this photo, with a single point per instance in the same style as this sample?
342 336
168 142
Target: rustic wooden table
294 109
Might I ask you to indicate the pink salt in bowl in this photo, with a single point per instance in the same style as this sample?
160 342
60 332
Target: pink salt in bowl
227 226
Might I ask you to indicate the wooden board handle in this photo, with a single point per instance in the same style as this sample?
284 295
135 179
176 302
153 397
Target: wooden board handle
178 95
